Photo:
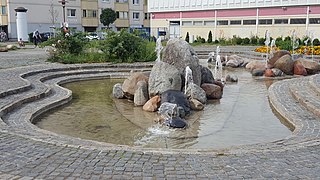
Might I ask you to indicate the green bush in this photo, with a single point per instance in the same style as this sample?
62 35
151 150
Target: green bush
261 41
254 40
126 47
285 45
246 41
187 37
316 42
210 37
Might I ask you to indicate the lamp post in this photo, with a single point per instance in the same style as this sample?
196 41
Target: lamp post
63 3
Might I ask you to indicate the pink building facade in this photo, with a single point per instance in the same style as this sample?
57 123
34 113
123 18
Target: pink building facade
224 20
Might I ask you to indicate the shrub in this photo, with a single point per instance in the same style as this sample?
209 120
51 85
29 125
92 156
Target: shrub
210 37
246 41
126 47
316 42
261 41
187 37
254 40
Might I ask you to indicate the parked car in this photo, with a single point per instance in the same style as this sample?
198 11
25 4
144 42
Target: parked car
46 35
92 36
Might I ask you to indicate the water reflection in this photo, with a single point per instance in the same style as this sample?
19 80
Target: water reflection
242 116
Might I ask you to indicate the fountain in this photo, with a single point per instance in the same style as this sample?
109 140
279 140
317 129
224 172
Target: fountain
188 79
267 42
218 66
295 43
158 49
306 48
273 47
312 38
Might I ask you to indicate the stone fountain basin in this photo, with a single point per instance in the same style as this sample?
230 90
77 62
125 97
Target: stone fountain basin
243 116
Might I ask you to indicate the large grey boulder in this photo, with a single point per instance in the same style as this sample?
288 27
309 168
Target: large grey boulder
206 75
176 97
141 95
180 54
312 67
196 92
276 56
163 77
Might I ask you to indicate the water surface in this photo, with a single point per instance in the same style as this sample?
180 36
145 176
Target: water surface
242 116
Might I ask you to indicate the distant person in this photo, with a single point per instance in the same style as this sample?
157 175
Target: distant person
21 43
36 37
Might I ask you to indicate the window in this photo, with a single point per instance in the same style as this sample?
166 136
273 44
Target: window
146 16
209 23
249 22
298 21
3 10
235 22
121 1
136 15
281 21
105 1
314 20
223 22
135 1
198 23
89 13
71 12
122 15
265 21
186 23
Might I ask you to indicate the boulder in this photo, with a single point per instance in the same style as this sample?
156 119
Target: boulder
196 92
196 105
152 104
231 78
141 95
212 91
163 77
168 110
298 69
180 54
260 65
219 83
176 97
268 73
117 91
312 67
176 122
11 47
257 72
206 75
233 63
3 49
276 56
277 72
129 85
285 64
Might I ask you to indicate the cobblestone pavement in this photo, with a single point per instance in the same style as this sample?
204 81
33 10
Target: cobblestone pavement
28 152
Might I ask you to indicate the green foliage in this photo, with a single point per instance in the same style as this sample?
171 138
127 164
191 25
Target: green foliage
126 47
288 38
108 16
254 40
246 41
199 39
316 42
261 41
187 37
210 37
285 45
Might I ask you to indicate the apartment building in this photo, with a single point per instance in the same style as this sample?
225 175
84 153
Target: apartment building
226 18
82 15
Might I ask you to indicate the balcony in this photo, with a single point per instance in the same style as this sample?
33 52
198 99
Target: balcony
90 22
121 6
122 23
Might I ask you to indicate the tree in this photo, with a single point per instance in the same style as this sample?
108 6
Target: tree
108 16
53 13
210 37
187 37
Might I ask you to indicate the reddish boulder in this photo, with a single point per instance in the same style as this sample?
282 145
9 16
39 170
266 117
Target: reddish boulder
212 91
153 104
285 64
276 56
268 73
298 69
129 85
312 67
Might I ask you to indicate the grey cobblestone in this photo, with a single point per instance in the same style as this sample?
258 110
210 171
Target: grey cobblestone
31 153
